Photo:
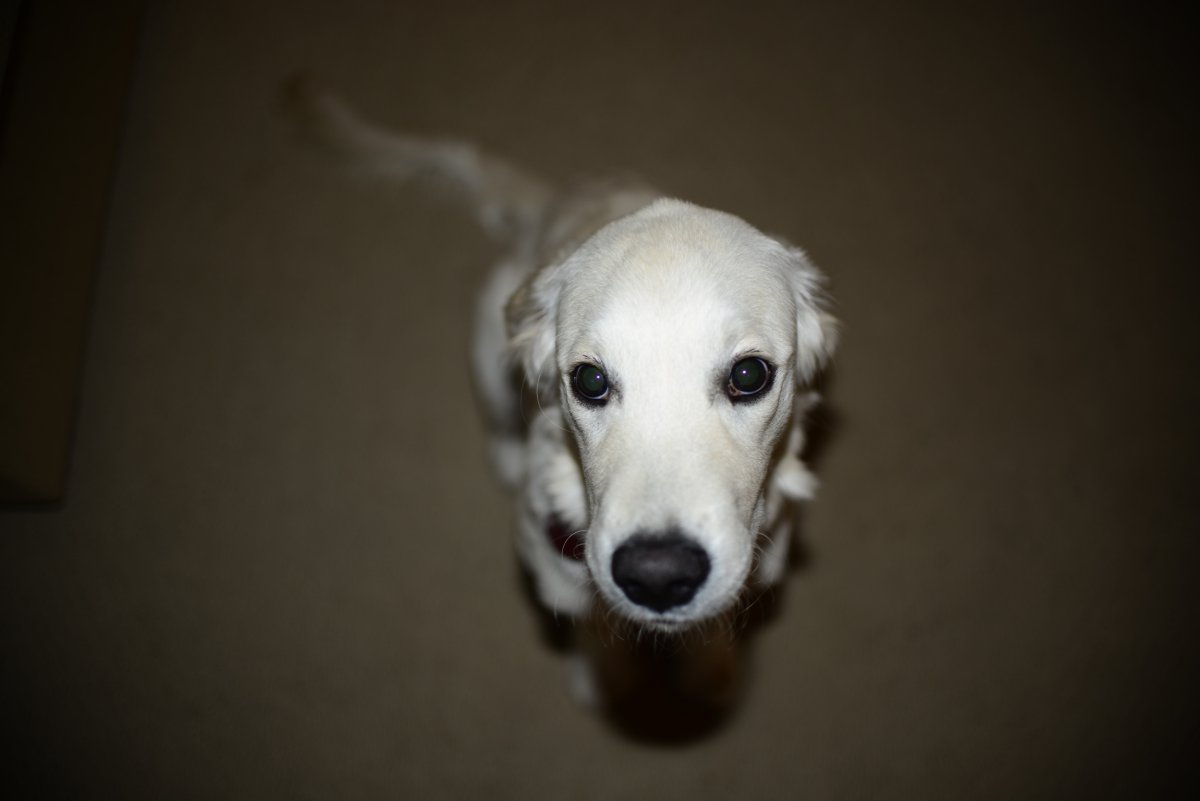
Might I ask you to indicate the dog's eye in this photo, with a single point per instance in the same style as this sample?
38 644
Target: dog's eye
748 379
590 383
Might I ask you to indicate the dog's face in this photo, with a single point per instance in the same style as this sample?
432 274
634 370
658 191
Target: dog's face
676 336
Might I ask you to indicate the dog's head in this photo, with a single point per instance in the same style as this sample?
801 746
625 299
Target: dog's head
675 339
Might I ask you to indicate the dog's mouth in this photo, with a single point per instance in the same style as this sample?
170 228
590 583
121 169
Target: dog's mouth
568 541
666 625
643 620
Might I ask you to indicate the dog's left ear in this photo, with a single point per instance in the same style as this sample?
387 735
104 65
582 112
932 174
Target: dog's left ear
816 328
532 317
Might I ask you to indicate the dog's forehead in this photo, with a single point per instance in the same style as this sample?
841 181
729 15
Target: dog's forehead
682 274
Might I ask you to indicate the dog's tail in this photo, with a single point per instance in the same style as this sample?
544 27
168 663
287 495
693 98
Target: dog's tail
508 201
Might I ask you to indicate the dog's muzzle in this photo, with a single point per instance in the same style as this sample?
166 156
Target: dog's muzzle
660 572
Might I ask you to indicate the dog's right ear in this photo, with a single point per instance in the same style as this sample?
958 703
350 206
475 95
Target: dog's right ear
816 327
532 317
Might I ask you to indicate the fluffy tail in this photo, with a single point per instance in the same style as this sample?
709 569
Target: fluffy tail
508 201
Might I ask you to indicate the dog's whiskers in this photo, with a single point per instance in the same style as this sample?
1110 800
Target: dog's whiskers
537 398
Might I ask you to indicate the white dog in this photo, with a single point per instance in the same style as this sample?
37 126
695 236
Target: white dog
644 366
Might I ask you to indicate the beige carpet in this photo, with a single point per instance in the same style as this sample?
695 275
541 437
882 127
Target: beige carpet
283 570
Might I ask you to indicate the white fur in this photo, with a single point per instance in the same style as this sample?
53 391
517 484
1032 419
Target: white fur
665 296
665 300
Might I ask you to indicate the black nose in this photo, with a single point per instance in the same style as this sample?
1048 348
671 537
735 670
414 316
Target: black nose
660 572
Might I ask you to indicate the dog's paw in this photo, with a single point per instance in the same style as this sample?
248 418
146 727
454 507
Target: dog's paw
508 460
795 480
583 682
